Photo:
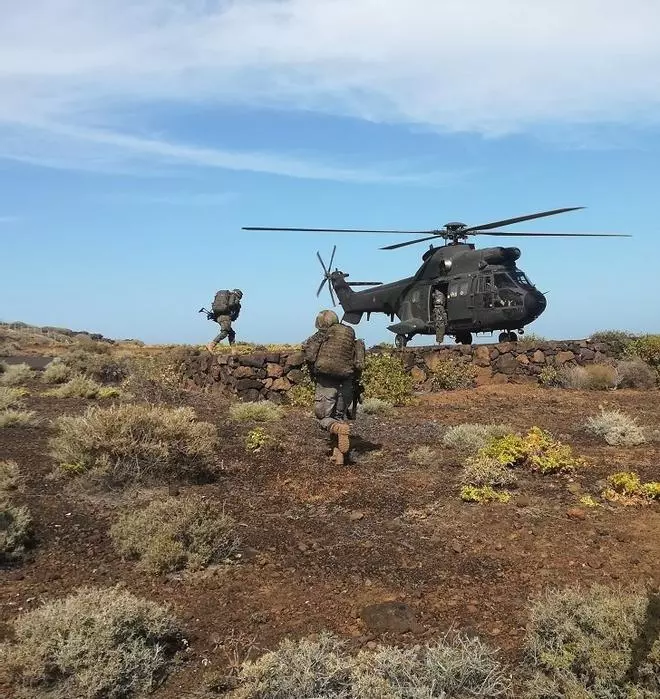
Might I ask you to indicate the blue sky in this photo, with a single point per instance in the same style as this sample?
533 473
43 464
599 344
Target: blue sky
136 138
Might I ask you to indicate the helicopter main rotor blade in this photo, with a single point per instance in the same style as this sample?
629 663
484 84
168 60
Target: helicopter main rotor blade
364 283
540 234
335 230
518 219
409 242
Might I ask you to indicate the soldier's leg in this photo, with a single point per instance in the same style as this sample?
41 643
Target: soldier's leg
325 403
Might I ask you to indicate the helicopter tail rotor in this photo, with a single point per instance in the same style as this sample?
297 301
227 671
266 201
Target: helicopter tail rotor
326 276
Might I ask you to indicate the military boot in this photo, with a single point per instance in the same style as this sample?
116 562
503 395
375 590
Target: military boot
337 457
342 430
210 347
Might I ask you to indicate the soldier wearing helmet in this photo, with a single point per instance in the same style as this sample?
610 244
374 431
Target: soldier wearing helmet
334 358
225 310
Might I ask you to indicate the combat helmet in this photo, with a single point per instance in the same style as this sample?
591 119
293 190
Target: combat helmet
325 319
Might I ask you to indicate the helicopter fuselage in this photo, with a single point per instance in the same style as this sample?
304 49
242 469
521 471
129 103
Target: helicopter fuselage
484 292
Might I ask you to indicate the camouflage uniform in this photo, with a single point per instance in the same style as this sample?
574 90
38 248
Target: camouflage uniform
225 321
439 315
334 391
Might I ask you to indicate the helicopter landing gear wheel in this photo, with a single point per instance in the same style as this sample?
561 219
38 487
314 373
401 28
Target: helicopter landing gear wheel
464 338
400 341
508 337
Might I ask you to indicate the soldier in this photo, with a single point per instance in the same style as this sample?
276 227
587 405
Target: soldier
335 358
439 315
225 309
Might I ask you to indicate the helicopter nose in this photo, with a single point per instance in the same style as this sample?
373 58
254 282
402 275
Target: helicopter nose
535 303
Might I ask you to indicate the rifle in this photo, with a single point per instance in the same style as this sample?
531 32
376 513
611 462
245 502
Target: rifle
358 390
209 314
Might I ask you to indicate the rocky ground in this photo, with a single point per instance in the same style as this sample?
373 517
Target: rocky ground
321 543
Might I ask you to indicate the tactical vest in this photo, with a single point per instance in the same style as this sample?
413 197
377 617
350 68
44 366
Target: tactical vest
336 356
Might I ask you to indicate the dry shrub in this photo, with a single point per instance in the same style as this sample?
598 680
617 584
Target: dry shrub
257 411
456 666
56 372
301 394
449 375
136 443
10 476
472 437
94 365
83 387
595 377
586 644
422 456
481 470
94 643
17 418
616 428
11 397
15 374
175 534
157 378
15 530
635 373
376 406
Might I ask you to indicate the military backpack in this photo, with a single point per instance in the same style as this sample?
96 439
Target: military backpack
336 356
224 302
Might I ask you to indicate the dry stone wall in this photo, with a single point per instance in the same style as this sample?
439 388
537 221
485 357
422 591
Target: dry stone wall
270 375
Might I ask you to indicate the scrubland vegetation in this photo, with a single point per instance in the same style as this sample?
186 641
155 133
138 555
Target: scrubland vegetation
254 483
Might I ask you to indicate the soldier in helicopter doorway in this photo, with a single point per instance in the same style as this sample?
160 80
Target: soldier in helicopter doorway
335 360
439 315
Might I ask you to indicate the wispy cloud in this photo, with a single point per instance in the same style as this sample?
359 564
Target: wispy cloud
78 68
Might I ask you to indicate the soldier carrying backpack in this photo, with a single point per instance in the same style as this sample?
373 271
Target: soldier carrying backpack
225 309
335 360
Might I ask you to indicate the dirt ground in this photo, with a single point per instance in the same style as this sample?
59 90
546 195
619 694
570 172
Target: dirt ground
322 542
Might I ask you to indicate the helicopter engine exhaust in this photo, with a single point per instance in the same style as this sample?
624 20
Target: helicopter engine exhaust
499 256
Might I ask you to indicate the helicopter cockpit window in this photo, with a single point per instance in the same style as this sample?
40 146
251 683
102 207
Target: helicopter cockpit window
464 287
502 281
521 278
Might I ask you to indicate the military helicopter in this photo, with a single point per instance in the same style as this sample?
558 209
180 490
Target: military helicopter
484 289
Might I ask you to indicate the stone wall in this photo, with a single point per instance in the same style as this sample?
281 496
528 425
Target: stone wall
270 375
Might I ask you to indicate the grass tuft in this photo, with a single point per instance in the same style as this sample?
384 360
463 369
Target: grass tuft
472 437
257 411
17 418
15 374
11 397
376 406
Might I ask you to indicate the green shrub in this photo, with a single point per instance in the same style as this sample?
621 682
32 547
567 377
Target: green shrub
56 372
481 471
385 377
449 375
627 487
472 437
82 387
483 494
11 397
376 406
93 643
456 666
422 456
616 428
537 451
132 443
17 418
635 373
15 529
258 411
581 643
174 534
647 348
15 374
549 376
618 341
301 394
256 439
